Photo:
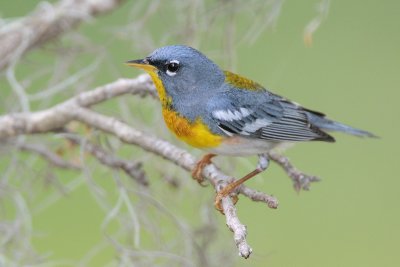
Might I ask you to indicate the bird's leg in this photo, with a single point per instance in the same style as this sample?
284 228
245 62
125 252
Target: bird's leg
198 169
262 165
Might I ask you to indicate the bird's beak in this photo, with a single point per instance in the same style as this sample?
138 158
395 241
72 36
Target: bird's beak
141 64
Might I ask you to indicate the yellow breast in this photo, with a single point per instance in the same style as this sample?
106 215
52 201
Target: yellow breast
196 134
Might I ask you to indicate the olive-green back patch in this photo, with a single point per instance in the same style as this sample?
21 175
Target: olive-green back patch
241 82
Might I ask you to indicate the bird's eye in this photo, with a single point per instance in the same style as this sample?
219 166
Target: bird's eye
172 67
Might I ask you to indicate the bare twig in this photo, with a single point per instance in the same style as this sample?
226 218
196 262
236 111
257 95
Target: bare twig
239 230
56 117
46 23
301 181
258 196
72 79
49 156
322 12
131 168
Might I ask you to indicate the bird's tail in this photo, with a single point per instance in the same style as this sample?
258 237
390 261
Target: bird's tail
330 125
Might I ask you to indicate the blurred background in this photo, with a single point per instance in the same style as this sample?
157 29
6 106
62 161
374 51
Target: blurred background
338 57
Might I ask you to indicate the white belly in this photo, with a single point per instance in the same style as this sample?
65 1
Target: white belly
240 146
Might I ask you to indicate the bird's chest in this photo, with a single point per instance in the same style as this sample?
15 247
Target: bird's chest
195 133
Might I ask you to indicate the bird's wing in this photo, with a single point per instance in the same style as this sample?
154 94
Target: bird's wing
264 115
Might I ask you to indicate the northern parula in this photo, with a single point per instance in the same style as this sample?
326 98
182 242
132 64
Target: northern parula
227 114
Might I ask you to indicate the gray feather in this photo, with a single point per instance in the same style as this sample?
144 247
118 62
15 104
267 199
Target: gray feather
330 125
268 117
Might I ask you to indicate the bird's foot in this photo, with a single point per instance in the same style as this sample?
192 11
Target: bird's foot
197 172
223 193
227 190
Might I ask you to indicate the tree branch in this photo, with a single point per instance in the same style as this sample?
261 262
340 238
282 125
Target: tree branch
239 230
132 168
46 23
56 117
49 156
301 181
258 196
77 108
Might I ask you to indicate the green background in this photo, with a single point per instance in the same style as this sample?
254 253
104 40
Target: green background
351 73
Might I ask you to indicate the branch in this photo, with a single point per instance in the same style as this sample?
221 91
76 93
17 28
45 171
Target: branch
49 156
258 196
301 181
76 108
56 117
239 230
46 23
131 168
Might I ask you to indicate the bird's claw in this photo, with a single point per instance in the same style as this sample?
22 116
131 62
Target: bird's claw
224 192
218 198
197 172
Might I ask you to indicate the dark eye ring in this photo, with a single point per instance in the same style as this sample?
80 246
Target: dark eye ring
172 67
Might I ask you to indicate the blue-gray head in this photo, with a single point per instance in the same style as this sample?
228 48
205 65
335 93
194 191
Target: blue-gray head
181 69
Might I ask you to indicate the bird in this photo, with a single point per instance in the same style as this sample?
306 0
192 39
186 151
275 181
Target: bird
224 113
